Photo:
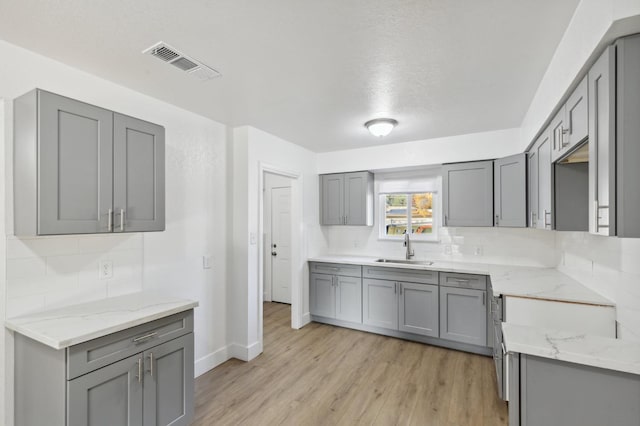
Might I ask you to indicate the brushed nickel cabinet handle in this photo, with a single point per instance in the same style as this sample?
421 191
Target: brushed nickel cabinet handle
145 337
110 220
400 288
122 219
546 213
139 370
151 364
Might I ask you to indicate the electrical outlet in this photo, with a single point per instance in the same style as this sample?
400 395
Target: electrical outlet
356 243
477 250
105 270
447 249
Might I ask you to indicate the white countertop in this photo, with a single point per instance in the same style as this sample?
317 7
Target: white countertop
70 325
514 281
596 351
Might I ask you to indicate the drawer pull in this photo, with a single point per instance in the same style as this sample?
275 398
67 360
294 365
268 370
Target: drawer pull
145 337
462 280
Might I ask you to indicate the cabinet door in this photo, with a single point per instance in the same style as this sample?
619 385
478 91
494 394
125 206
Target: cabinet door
75 158
577 114
468 194
532 182
109 396
559 138
358 198
322 295
380 303
349 299
510 192
138 192
544 186
168 383
602 146
418 304
463 315
332 201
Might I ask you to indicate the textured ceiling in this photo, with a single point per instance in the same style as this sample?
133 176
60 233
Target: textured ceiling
312 72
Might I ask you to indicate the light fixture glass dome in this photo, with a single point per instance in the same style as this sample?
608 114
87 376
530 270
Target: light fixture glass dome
380 126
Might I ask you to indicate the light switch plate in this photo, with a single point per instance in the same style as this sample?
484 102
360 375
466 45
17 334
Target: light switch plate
206 262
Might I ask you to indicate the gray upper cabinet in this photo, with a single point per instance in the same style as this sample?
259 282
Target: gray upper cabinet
510 193
540 183
81 169
346 199
602 146
468 194
418 309
627 148
332 201
570 126
138 190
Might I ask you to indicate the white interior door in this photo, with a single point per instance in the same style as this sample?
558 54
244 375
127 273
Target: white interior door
281 244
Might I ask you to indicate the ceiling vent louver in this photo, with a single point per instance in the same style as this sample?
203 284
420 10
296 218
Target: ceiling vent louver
179 60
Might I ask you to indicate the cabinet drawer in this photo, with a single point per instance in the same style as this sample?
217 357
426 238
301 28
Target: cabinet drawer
335 269
97 353
399 274
450 279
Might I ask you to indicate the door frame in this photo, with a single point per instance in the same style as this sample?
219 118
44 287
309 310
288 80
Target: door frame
296 245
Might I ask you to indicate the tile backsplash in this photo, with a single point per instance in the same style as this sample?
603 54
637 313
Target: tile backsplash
609 266
528 247
44 272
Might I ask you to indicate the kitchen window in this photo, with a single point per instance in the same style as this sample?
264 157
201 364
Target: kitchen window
408 212
408 201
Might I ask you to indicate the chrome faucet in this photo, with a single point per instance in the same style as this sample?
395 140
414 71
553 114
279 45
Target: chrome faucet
407 244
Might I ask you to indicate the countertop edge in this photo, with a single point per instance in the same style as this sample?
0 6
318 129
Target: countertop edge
63 344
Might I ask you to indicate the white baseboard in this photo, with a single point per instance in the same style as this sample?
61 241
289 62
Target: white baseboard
244 353
306 319
211 361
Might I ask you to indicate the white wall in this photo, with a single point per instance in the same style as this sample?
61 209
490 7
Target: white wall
593 25
45 271
476 146
253 148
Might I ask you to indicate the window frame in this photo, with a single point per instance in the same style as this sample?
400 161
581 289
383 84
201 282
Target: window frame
435 209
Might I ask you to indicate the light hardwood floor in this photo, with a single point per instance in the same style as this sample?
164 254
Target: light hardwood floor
324 375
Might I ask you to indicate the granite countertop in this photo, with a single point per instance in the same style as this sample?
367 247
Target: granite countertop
514 281
70 325
596 351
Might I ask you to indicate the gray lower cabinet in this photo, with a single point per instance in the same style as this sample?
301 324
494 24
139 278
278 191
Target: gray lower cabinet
380 303
335 291
468 194
418 309
81 169
140 376
510 191
399 304
346 199
545 392
463 308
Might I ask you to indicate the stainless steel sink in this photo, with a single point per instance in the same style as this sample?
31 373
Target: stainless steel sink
406 262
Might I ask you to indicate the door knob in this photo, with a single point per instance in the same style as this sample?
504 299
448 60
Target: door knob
273 253
273 245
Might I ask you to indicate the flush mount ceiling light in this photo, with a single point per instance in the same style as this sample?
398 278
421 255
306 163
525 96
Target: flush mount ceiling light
381 126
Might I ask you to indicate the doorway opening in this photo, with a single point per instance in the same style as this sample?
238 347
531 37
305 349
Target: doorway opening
277 238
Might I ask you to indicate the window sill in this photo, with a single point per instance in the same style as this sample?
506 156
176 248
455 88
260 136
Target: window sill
434 240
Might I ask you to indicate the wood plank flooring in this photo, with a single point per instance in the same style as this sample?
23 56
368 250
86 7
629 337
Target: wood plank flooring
324 375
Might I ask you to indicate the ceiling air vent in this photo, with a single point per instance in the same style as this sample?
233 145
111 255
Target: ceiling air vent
179 60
